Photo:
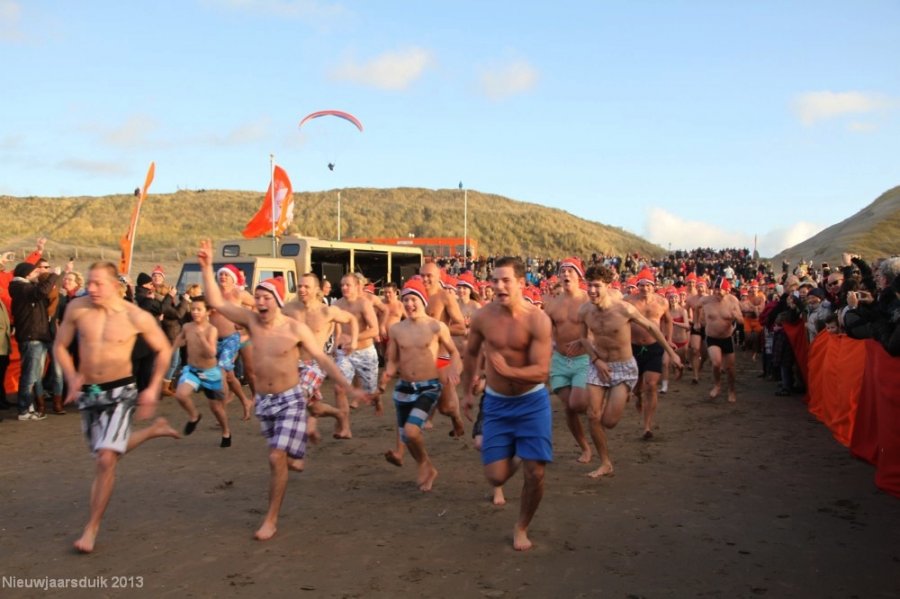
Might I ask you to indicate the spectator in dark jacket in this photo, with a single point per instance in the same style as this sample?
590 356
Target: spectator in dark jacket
30 303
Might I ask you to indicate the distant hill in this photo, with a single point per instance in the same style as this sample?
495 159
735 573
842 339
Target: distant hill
873 232
171 224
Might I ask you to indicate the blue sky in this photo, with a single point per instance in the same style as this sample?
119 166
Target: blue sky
689 123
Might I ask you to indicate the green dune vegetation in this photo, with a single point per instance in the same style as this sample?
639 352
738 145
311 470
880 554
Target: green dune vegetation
171 224
873 232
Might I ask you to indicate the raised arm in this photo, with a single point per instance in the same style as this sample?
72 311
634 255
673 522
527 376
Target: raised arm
213 294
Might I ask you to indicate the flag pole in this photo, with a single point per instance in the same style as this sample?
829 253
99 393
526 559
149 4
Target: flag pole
272 189
339 216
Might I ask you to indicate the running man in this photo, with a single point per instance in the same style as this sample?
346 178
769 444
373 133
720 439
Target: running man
362 362
443 306
607 324
648 350
411 353
280 400
570 363
516 338
106 327
722 311
321 319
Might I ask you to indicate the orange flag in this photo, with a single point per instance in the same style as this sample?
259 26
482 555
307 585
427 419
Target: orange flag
126 243
283 212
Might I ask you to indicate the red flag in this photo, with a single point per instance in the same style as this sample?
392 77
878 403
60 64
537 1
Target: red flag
126 244
283 212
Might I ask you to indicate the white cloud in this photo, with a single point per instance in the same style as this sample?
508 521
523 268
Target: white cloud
10 21
241 134
14 141
295 9
134 132
860 127
390 70
812 107
669 230
93 167
503 81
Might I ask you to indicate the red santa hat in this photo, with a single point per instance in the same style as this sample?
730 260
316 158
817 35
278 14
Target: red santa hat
722 283
691 277
416 287
646 276
631 282
275 286
234 272
158 271
370 288
466 279
616 284
573 262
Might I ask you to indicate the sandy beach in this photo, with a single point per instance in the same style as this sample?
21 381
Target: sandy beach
747 500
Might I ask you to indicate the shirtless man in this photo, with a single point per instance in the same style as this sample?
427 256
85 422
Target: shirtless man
443 306
614 371
722 311
469 303
570 363
229 279
106 327
393 310
411 353
751 307
280 401
320 318
516 338
647 349
696 292
363 361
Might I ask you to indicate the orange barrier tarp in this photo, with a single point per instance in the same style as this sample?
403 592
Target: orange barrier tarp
881 386
836 365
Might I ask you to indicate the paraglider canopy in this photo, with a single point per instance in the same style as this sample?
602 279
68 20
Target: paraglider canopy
338 113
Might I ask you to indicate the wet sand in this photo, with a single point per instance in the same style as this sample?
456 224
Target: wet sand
747 500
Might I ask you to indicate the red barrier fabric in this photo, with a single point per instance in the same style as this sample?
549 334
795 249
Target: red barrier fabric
884 384
836 365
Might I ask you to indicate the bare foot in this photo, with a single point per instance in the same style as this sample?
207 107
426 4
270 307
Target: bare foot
296 464
391 456
427 474
248 409
714 393
459 430
314 436
379 406
354 405
585 456
342 435
521 542
428 425
732 397
86 543
647 435
265 532
161 428
499 498
603 470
